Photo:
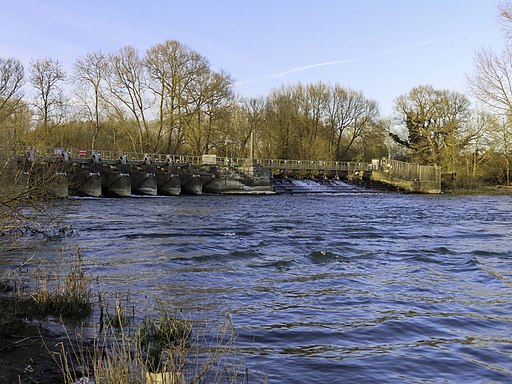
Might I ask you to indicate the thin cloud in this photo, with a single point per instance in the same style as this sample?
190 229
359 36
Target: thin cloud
337 62
423 43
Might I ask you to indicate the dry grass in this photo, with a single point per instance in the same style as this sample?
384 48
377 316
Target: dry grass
122 316
168 348
62 290
165 349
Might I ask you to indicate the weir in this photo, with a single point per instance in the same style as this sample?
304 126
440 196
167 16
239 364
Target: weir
116 174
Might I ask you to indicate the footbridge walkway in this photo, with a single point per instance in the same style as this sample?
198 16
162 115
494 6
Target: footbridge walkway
113 157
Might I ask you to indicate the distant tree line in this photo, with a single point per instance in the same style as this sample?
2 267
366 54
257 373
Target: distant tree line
168 99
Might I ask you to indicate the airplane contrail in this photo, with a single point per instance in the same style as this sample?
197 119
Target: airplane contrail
335 62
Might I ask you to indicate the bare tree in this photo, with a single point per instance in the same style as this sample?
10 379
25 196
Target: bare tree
253 110
482 125
502 144
12 78
11 101
280 131
210 101
126 82
317 121
492 81
312 100
190 97
47 78
176 73
491 84
90 72
505 15
167 65
159 73
348 114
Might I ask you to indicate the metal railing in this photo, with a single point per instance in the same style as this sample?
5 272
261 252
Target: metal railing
116 156
412 172
312 165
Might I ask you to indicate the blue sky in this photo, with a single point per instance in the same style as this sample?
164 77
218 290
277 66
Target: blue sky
380 47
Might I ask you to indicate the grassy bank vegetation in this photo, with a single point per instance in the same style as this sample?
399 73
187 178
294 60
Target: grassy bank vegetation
165 348
492 190
37 291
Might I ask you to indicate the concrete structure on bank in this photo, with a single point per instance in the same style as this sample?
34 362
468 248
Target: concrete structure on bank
409 177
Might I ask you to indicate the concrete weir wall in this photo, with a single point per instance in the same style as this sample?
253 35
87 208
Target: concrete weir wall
409 177
96 177
415 186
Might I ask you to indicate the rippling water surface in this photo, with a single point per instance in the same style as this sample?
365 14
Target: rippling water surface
323 288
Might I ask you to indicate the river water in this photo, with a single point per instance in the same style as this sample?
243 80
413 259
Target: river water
373 288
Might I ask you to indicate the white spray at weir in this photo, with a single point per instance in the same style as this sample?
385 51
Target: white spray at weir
336 62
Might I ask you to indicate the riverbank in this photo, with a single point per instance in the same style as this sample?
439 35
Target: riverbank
491 190
25 349
36 300
44 323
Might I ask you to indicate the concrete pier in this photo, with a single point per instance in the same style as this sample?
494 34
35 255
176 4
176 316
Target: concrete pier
85 183
115 183
168 183
143 181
